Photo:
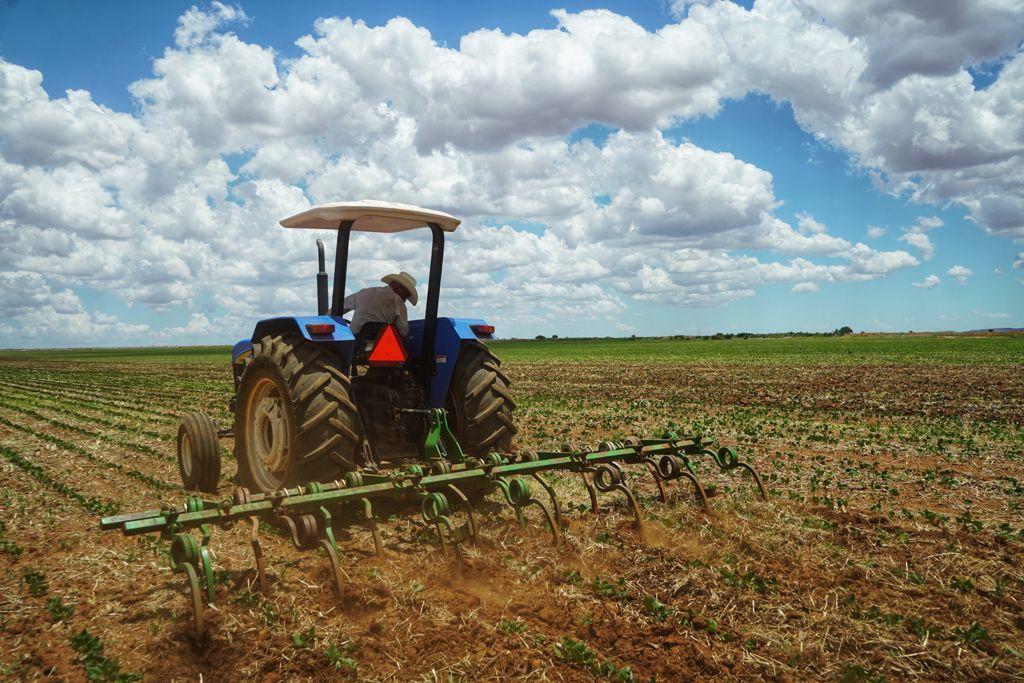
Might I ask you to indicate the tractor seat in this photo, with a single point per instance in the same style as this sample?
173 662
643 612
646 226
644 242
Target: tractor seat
364 342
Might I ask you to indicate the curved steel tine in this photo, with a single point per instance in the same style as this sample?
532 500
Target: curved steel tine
626 490
697 489
257 551
441 537
556 536
588 481
554 499
632 502
332 556
757 479
197 600
204 557
293 531
507 494
371 524
447 524
462 498
652 467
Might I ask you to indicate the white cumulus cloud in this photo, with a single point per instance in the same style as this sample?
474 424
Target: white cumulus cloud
961 273
805 287
150 205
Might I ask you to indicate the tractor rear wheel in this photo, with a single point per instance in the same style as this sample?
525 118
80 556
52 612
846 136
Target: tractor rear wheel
479 402
295 421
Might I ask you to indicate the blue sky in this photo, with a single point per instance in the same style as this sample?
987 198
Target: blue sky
714 166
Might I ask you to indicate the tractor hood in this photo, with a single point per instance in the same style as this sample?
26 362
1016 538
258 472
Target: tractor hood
371 216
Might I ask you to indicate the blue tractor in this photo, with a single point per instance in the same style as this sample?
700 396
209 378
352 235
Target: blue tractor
313 401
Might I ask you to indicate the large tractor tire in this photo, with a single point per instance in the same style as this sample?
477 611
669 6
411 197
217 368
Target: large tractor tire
295 421
479 402
198 453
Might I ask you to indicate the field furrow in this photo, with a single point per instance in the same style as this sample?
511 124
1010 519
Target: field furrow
92 504
113 407
69 447
74 426
88 411
890 547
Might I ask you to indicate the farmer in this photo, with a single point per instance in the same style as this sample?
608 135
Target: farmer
384 304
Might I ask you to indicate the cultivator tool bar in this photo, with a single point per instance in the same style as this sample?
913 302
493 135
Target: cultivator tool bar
440 487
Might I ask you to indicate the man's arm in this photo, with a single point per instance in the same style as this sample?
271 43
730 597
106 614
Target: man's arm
402 321
351 302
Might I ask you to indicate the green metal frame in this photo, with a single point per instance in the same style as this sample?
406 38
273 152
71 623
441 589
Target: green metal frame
305 510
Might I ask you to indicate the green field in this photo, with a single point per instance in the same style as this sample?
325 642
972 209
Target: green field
854 349
888 549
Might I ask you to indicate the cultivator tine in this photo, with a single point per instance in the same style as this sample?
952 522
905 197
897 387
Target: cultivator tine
187 556
585 472
609 477
326 541
517 494
435 510
308 532
197 601
588 481
652 467
332 558
371 524
468 507
698 490
727 459
554 499
305 511
257 551
671 467
241 496
356 480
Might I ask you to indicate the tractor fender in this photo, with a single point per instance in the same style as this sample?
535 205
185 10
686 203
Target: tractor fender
452 333
339 342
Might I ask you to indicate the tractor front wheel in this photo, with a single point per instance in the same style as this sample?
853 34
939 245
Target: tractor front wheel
480 403
295 421
198 453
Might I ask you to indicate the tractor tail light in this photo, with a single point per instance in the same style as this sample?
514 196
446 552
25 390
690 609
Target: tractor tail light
388 348
482 330
320 328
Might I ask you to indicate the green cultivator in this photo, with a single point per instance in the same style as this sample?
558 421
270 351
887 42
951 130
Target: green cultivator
328 417
447 482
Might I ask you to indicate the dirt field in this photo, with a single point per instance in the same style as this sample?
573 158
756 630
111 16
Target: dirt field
891 547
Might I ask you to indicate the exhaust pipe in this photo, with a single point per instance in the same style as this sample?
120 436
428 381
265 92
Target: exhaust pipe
321 280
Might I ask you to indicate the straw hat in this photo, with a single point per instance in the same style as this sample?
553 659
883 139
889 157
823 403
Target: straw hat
407 281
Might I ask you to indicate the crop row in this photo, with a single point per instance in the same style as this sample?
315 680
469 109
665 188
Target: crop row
116 407
122 443
152 482
83 411
164 406
132 389
92 504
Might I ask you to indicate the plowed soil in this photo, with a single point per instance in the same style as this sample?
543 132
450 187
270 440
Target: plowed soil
891 546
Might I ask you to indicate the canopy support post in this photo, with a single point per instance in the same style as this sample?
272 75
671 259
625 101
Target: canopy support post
340 267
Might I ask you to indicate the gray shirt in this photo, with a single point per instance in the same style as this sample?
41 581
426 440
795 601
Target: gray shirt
378 305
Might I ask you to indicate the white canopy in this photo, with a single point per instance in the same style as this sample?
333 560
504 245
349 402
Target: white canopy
368 215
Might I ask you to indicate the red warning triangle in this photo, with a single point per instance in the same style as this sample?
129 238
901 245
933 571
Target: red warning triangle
388 349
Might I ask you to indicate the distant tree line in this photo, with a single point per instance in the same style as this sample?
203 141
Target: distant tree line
839 332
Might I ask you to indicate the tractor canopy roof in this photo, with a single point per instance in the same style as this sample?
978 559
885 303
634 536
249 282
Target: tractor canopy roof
368 215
